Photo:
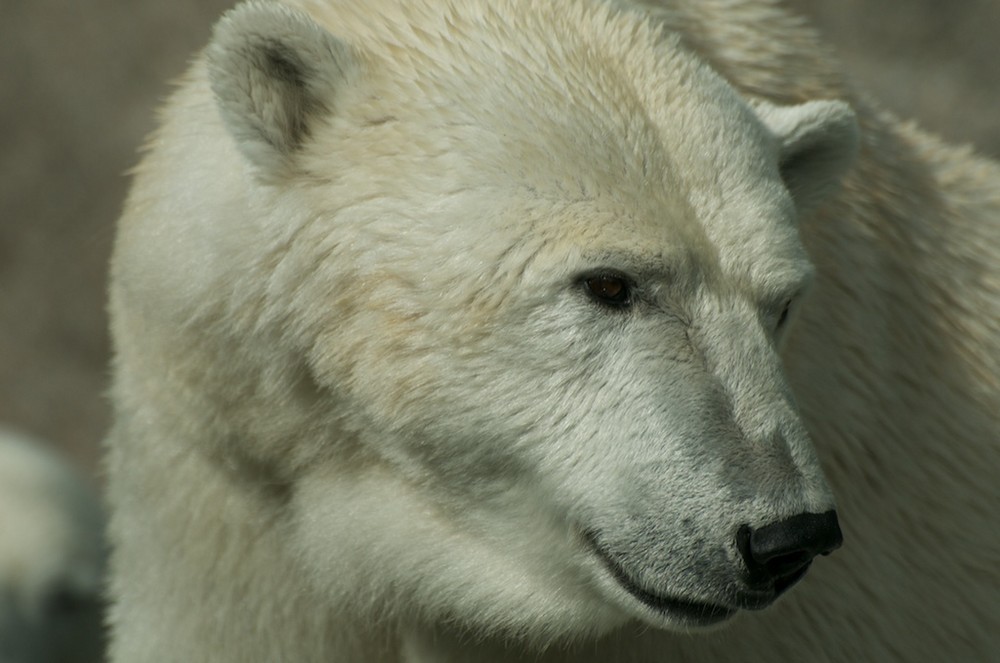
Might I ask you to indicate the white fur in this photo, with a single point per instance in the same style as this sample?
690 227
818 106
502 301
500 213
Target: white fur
51 557
365 409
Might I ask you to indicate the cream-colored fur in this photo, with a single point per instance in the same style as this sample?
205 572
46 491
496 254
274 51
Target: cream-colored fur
366 410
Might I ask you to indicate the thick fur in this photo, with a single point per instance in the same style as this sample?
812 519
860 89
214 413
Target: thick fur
367 410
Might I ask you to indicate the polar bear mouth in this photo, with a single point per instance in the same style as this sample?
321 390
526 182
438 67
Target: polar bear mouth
691 612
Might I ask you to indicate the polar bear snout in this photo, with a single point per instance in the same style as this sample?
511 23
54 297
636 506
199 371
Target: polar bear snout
779 554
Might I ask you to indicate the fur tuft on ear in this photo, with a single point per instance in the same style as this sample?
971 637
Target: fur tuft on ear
274 73
819 143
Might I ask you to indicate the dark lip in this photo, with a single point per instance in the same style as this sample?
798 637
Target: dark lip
693 612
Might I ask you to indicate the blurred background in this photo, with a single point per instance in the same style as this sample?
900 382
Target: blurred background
79 82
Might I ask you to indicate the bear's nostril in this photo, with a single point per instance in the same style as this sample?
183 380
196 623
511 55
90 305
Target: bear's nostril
779 553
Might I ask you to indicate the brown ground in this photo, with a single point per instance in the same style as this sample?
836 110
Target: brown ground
78 84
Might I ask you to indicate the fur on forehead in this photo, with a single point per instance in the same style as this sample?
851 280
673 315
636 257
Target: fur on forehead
503 89
403 99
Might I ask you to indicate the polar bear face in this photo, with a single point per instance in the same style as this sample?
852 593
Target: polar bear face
540 282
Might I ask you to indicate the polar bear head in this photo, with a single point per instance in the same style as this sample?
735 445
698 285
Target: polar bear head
503 287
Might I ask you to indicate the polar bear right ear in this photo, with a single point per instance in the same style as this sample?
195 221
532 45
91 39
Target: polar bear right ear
819 141
275 73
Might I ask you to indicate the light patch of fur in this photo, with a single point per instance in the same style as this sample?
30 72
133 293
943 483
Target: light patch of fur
51 557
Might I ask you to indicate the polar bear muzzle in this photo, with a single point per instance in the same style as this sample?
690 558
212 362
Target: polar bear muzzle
775 557
692 612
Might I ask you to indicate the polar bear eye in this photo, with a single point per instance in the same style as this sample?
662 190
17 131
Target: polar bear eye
609 289
783 317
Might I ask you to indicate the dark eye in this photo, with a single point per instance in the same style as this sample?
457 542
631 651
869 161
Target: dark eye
783 318
608 289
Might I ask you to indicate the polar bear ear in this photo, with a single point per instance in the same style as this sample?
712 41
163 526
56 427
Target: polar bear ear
275 73
819 142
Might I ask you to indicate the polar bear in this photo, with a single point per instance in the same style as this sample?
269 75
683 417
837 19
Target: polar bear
494 330
52 557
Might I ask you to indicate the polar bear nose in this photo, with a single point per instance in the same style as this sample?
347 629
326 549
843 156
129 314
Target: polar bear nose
780 552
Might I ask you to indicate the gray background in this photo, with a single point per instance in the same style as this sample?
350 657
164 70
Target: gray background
79 81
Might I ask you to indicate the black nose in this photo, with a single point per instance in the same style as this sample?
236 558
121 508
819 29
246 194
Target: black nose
781 552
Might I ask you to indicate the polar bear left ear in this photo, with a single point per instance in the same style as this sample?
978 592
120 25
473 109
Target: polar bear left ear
275 73
819 143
